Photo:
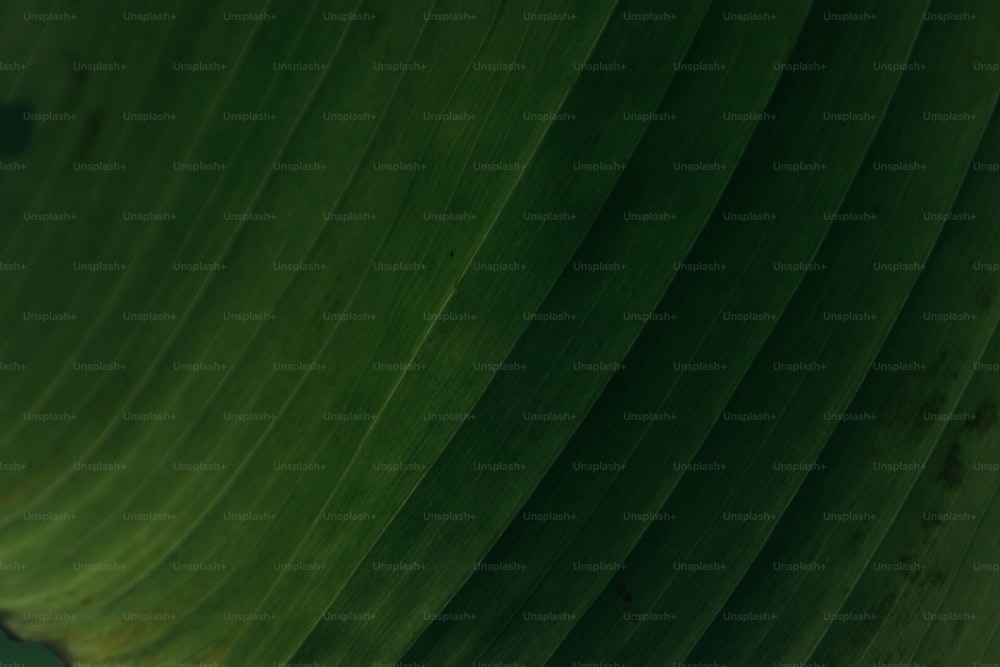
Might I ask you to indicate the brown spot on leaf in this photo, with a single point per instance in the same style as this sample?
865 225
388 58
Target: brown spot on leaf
864 631
908 574
883 607
933 404
943 365
985 417
951 471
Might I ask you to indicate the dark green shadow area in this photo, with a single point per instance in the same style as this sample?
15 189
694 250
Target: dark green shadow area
15 128
26 654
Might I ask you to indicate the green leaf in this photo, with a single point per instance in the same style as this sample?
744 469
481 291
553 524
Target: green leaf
499 333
